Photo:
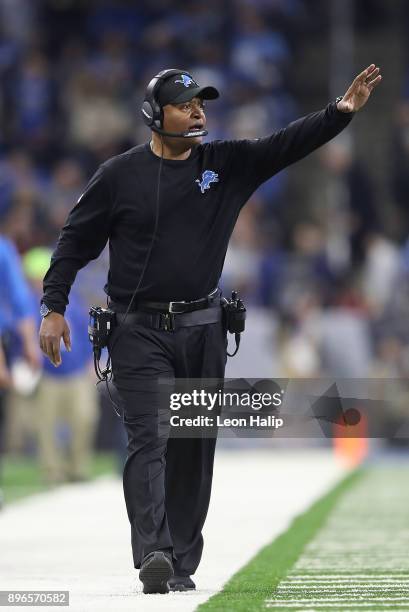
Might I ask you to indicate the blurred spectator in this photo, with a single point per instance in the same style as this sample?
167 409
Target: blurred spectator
243 255
355 196
380 272
34 106
15 316
18 18
259 53
400 165
91 103
66 185
66 402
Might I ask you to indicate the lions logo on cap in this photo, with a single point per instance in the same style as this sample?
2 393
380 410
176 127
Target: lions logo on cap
208 177
186 80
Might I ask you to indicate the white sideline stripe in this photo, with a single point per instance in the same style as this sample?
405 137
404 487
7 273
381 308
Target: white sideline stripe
346 580
343 585
335 599
335 605
345 588
340 576
77 537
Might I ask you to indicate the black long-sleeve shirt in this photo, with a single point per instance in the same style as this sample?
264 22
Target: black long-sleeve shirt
200 200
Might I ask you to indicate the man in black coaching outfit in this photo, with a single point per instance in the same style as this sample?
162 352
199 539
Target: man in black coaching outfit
168 208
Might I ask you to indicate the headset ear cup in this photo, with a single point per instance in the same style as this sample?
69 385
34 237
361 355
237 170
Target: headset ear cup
157 113
152 113
147 113
159 118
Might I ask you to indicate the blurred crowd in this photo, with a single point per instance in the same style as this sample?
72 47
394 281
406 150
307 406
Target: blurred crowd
73 75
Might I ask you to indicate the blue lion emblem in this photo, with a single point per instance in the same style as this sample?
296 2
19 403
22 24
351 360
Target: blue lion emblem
208 177
186 80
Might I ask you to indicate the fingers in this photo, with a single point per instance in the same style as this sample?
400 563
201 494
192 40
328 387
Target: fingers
374 83
53 328
373 78
368 71
53 351
67 338
50 345
369 77
372 74
365 73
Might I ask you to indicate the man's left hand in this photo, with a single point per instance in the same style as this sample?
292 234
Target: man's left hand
359 91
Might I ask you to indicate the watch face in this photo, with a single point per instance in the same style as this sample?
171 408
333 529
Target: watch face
44 310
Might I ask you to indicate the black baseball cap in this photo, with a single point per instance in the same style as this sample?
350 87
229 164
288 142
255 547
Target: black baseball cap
182 88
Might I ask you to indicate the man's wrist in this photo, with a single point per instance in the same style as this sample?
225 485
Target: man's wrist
47 307
45 310
342 106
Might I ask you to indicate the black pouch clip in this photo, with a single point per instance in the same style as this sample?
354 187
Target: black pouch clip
101 323
235 317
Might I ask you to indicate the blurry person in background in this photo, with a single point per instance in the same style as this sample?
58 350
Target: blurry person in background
66 396
93 101
351 185
15 317
244 252
66 185
35 106
400 164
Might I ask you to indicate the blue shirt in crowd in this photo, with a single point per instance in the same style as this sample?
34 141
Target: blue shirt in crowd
14 291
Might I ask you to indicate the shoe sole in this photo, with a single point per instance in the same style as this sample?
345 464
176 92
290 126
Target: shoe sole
155 574
181 587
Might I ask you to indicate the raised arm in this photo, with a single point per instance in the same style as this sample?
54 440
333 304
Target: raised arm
264 157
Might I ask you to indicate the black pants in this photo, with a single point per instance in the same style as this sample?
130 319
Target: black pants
167 482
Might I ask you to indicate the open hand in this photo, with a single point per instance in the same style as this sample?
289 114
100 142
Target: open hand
53 328
359 91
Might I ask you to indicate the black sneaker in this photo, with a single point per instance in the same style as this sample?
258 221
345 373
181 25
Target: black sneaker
181 583
156 570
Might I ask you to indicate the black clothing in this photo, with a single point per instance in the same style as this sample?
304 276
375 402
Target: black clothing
167 499
168 321
197 212
201 197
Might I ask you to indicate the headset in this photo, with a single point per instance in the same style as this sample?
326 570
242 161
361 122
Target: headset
152 112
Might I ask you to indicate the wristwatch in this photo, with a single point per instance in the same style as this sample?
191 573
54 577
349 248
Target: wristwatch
338 99
44 310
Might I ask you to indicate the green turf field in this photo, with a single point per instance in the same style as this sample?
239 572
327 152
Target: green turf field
22 477
349 552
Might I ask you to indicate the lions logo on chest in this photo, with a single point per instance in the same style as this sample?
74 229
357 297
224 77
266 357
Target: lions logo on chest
208 177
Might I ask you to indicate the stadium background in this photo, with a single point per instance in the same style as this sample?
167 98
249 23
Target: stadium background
320 252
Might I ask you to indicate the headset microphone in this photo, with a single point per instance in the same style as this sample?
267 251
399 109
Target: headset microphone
189 134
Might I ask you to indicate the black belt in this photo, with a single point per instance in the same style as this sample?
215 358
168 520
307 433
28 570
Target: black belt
171 307
169 321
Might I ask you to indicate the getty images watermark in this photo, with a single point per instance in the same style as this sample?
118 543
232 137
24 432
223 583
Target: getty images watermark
225 399
283 408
